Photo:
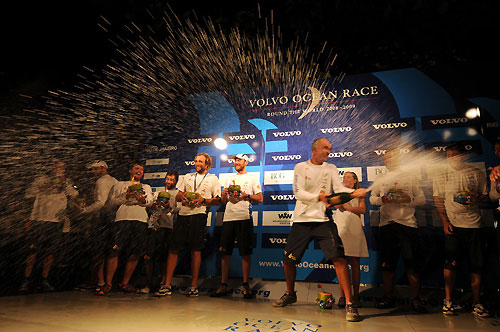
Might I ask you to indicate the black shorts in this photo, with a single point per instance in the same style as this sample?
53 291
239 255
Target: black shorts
100 239
45 237
394 240
157 246
240 230
189 232
302 233
130 236
463 245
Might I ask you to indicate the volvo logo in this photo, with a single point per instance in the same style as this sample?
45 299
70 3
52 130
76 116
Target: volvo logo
241 137
200 140
287 157
282 197
335 130
390 125
340 154
449 121
287 133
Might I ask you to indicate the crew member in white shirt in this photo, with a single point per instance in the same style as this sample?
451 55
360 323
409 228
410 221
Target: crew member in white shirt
314 180
45 226
237 223
397 194
130 228
190 229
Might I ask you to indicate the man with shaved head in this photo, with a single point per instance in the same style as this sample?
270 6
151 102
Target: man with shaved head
314 180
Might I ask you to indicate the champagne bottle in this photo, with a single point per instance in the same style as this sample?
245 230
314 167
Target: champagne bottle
339 198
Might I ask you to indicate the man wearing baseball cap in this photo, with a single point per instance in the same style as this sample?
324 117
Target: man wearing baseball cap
240 191
100 224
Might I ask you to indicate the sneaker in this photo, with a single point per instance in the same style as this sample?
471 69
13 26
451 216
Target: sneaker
247 292
127 288
104 290
385 303
448 308
285 300
351 313
164 290
193 292
45 286
417 305
25 286
144 290
221 291
341 303
98 288
479 310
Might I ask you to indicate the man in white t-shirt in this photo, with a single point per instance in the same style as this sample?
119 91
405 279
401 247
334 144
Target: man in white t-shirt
99 225
45 226
398 193
313 181
457 194
237 222
197 192
130 227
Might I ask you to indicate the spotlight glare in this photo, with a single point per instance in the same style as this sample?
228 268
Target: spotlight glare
472 113
220 143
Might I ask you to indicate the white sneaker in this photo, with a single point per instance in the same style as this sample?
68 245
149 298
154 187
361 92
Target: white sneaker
351 314
144 290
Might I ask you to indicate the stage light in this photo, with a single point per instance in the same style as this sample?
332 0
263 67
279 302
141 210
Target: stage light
220 143
223 157
471 132
472 113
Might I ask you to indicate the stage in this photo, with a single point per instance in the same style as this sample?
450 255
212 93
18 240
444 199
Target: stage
78 311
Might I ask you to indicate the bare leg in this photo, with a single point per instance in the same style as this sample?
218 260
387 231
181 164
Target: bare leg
449 283
246 262
47 264
163 268
356 277
290 275
130 268
226 261
414 281
30 263
111 266
342 269
195 267
171 263
475 284
100 273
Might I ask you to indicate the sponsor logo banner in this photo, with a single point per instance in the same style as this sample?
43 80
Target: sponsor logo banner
278 177
443 121
372 172
335 130
189 164
253 160
279 158
160 149
277 218
279 197
274 240
336 155
151 162
400 125
277 134
202 140
232 138
469 146
155 176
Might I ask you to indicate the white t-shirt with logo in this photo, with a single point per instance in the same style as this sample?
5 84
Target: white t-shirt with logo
243 209
207 185
130 210
402 213
451 182
309 181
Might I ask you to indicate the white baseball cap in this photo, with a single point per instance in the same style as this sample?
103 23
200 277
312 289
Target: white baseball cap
97 163
241 156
